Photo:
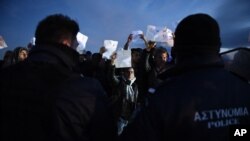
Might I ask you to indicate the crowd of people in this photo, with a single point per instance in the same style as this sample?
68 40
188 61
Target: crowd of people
12 57
51 92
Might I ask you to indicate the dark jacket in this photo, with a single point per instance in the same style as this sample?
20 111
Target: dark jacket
46 98
122 103
198 101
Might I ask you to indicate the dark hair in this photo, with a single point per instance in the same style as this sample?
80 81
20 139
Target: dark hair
89 53
197 33
96 57
160 50
151 42
55 27
16 52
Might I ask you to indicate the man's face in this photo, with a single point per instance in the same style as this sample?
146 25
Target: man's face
161 58
129 73
23 54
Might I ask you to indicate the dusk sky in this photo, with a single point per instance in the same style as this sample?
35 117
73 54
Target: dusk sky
115 19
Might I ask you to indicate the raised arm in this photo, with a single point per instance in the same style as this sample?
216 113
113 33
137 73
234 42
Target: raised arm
111 71
128 42
144 39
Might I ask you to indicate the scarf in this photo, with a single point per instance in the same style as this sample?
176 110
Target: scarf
130 94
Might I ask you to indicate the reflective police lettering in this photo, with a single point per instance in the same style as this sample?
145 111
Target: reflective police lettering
225 113
240 132
200 116
197 116
222 123
221 117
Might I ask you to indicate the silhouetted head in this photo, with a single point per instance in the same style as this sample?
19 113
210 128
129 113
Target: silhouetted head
152 43
197 34
57 28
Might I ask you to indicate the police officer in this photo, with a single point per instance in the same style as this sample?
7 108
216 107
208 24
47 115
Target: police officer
199 99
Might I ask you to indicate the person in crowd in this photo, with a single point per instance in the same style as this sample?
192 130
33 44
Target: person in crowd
102 50
124 96
148 51
85 64
135 58
7 59
157 67
199 100
135 54
99 69
19 54
96 67
149 45
88 55
139 64
154 61
46 98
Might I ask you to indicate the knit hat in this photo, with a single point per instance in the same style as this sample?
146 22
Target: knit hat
197 33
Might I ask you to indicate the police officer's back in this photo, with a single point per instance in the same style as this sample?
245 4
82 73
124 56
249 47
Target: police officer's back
199 99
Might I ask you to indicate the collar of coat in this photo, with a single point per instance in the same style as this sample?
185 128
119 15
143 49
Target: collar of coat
192 65
55 54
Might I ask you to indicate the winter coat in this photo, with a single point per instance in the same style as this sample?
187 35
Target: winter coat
46 98
124 96
198 101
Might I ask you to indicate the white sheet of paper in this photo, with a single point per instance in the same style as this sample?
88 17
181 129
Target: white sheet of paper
82 40
158 34
123 59
111 47
151 32
136 35
2 43
137 32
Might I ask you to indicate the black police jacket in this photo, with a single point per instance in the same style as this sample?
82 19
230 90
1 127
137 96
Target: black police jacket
196 102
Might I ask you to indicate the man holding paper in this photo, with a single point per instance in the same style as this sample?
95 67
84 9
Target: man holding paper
125 94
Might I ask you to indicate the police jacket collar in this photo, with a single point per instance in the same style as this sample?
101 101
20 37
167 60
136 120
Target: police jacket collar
189 65
55 54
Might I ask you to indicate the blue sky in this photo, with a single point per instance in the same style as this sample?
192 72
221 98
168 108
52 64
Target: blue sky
115 19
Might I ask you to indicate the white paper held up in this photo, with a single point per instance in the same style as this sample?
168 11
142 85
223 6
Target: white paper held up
136 35
82 40
2 43
110 46
158 34
123 59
